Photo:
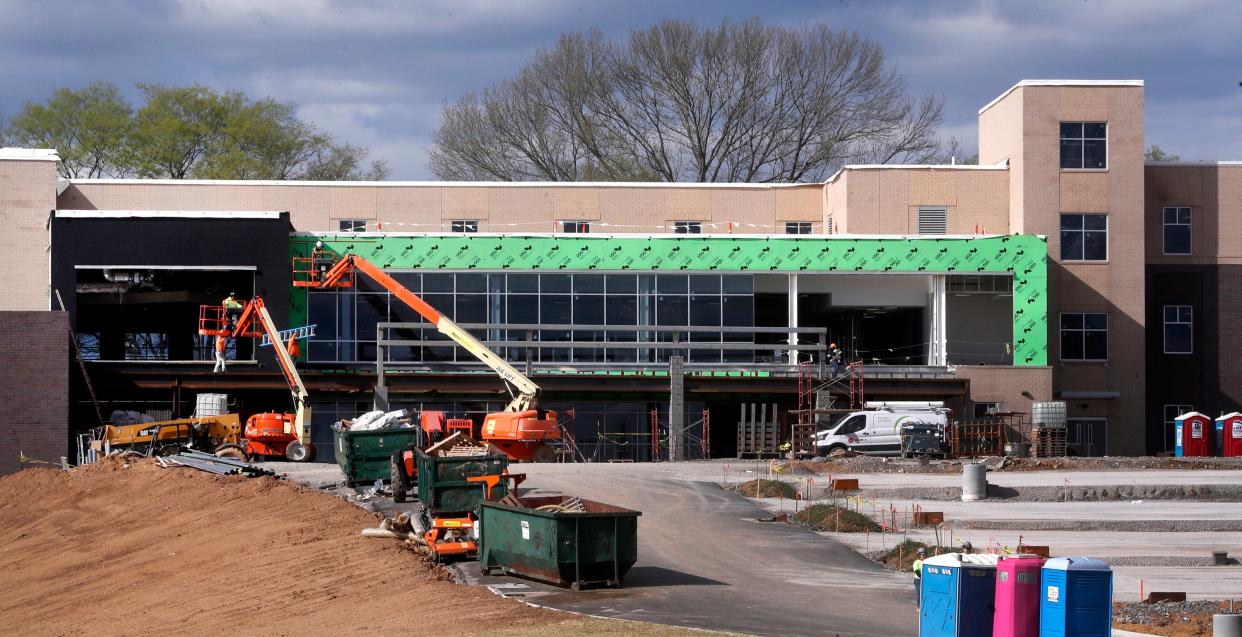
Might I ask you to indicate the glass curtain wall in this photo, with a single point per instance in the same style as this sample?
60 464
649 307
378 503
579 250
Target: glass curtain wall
559 307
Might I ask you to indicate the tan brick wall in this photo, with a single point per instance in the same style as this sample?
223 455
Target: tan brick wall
1001 139
1214 195
34 414
989 384
1115 286
27 198
886 201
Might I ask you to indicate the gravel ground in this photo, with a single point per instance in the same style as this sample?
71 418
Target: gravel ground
873 464
1173 618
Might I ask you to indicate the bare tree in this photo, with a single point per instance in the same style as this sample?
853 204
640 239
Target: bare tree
740 102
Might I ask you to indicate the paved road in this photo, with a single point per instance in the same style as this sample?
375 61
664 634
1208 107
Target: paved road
705 563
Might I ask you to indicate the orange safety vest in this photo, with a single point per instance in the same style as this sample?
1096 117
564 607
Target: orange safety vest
220 344
294 350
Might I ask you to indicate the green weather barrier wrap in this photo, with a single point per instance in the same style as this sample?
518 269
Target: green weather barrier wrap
1025 256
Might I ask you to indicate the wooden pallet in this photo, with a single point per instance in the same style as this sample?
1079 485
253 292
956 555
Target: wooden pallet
1048 443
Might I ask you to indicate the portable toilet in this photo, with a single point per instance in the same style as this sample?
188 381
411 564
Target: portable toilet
1191 437
958 591
1229 433
1076 599
1017 596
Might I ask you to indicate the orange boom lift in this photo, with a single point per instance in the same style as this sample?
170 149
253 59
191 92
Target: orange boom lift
522 430
269 434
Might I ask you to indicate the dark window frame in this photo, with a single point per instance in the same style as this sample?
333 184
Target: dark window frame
576 226
1084 332
687 227
799 227
464 225
1074 145
1178 321
352 225
1177 224
1083 231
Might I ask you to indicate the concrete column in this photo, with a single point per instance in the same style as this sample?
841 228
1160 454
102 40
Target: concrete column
793 316
937 341
676 409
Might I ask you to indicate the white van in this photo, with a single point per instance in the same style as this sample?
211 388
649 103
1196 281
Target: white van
878 429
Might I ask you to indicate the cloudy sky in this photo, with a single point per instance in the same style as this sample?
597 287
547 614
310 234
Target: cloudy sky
376 72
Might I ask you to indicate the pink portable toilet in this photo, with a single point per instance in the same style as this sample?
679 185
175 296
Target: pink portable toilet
1017 596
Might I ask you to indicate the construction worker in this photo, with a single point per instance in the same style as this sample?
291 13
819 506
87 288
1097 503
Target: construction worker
221 348
967 549
917 566
232 309
835 359
293 348
321 261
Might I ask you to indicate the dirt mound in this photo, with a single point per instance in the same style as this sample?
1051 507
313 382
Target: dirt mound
826 517
133 549
768 489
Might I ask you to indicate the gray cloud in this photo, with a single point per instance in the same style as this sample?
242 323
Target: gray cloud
375 73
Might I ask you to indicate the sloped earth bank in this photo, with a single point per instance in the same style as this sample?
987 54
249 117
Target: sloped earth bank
132 549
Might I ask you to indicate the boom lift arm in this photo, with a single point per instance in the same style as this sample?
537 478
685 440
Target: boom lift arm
523 391
255 312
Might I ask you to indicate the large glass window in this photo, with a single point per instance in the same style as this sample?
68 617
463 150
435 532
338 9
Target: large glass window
1084 237
555 302
1084 145
1177 230
1179 329
1084 336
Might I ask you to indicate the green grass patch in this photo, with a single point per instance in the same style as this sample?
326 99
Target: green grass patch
767 489
827 517
902 556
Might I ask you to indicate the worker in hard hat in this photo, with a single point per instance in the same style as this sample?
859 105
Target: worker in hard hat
917 566
835 358
232 309
221 358
321 261
967 549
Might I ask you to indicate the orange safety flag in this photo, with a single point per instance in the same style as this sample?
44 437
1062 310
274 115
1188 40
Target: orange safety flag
294 350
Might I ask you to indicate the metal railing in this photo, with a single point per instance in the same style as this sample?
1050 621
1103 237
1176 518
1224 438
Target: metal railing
641 342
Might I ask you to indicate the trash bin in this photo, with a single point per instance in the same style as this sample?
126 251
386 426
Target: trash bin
1192 435
1076 599
444 487
559 539
1017 596
1229 433
958 592
366 456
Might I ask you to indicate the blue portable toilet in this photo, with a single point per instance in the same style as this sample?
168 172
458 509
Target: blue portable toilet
958 595
1077 598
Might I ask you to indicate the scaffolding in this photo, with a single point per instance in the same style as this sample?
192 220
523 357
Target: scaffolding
816 404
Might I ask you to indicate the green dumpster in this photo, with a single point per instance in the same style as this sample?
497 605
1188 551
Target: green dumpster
366 456
443 485
595 546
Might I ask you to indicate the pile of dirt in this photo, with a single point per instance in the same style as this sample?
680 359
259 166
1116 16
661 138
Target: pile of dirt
1178 619
768 489
132 549
901 557
877 464
826 517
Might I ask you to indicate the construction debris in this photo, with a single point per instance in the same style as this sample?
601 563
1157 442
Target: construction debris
212 464
458 445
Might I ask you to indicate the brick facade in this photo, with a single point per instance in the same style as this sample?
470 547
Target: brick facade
34 354
27 198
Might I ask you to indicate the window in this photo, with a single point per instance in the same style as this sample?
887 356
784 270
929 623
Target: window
933 221
1177 230
88 346
353 225
688 227
1084 337
576 227
797 227
986 410
142 346
1084 237
1084 145
1171 412
465 225
1178 329
852 426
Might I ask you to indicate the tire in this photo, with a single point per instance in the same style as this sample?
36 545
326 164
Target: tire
297 452
836 451
230 450
400 484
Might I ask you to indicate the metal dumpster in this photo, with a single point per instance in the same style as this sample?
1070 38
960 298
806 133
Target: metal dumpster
443 485
595 546
366 456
